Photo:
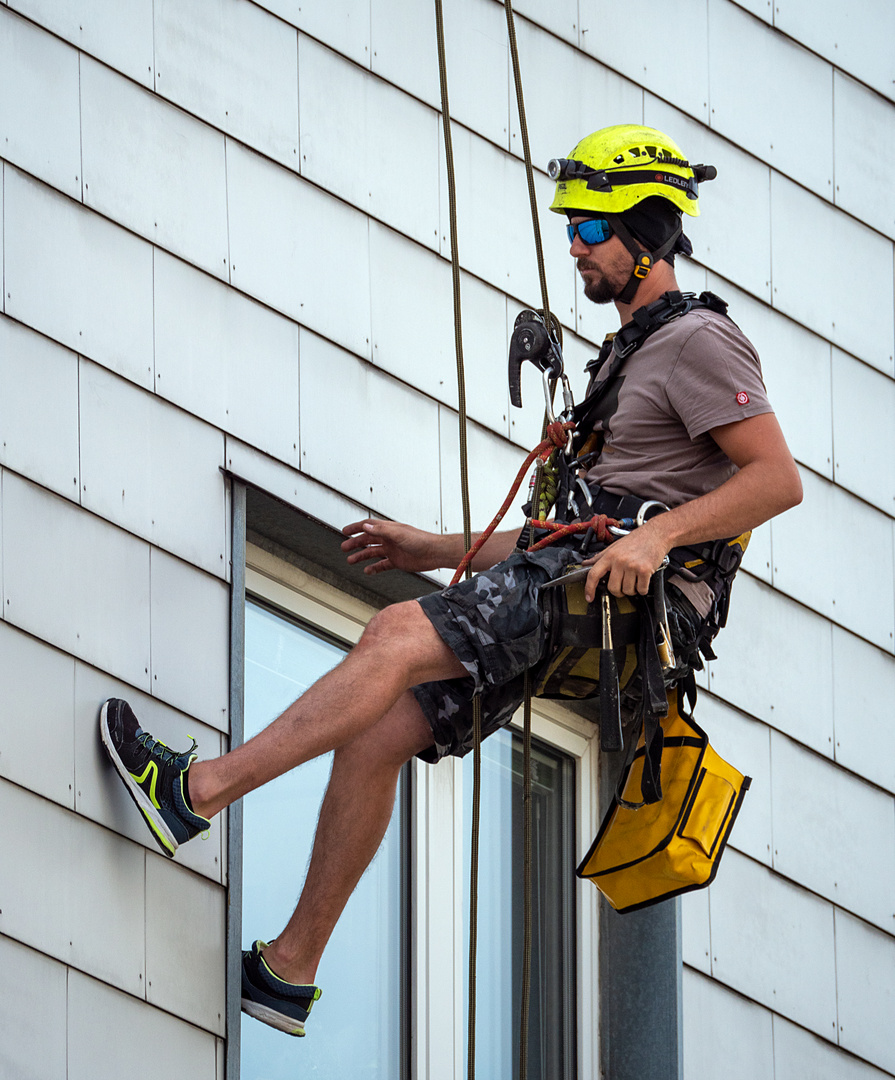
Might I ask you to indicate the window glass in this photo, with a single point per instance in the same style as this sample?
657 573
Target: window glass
552 1009
355 1028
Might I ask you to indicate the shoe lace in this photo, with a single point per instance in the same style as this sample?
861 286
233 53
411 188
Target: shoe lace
162 751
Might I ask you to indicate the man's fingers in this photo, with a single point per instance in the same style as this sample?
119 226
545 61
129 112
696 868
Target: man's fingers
378 567
365 553
597 573
364 528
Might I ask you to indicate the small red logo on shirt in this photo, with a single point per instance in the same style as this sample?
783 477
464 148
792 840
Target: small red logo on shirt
742 398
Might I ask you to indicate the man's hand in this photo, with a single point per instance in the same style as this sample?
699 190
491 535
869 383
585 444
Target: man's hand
394 546
627 564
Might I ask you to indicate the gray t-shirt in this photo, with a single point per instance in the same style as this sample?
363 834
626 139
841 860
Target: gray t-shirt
694 374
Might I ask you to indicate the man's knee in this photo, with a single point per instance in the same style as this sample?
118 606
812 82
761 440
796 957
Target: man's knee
394 624
404 638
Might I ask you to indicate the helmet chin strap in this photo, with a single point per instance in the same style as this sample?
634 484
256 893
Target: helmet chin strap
643 260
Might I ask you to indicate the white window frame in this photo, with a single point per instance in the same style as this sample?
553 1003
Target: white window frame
438 896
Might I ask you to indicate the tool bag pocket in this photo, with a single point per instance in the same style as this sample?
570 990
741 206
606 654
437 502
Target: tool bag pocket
662 849
571 664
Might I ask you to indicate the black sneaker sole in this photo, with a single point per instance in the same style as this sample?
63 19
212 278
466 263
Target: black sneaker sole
275 1019
154 821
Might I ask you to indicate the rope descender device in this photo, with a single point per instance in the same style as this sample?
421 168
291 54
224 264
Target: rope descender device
533 339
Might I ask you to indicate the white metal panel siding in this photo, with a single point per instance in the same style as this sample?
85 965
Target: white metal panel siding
33 993
53 902
745 743
119 34
862 603
413 327
358 135
77 277
37 719
293 488
799 1054
289 242
795 365
404 48
39 107
778 947
742 182
487 487
806 290
38 408
190 635
696 934
757 560
152 168
829 831
186 920
494 236
178 1048
344 24
563 110
560 17
475 36
226 358
863 123
865 964
863 687
774 662
724 1034
666 29
764 9
235 66
152 468
99 793
75 581
379 413
856 38
865 403
747 82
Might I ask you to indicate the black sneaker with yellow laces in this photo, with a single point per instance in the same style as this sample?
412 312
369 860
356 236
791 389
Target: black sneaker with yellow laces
153 774
270 999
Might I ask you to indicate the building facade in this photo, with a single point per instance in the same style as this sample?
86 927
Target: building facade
227 331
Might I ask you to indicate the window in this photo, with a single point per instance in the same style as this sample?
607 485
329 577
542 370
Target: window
356 1027
551 1041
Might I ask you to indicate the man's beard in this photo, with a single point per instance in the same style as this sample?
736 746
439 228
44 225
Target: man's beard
598 290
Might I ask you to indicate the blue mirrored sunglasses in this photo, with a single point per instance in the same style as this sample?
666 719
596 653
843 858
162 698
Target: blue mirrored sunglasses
593 231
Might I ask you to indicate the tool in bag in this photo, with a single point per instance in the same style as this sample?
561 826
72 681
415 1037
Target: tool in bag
648 852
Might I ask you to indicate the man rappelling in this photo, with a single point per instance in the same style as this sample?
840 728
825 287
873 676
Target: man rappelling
676 414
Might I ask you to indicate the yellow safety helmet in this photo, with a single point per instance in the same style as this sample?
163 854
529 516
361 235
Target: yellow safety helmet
615 168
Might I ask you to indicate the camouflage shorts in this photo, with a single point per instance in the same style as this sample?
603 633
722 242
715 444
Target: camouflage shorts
493 624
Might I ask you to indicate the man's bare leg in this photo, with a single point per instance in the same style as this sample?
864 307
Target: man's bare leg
353 819
399 649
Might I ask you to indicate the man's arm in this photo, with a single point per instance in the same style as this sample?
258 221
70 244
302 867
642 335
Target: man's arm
395 546
766 484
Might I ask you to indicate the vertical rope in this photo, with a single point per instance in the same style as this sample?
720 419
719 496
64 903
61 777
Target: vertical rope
526 752
467 534
526 152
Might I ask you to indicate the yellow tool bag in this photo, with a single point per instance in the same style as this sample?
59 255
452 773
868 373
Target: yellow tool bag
648 852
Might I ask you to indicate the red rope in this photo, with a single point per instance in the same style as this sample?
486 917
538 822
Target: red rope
599 523
557 433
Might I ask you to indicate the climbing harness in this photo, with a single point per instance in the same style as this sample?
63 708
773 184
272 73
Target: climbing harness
617 649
